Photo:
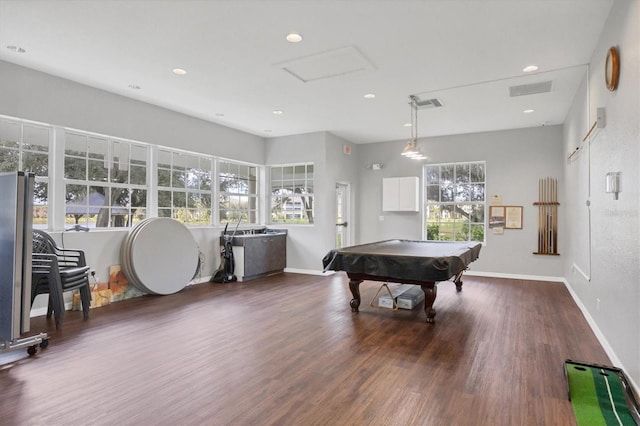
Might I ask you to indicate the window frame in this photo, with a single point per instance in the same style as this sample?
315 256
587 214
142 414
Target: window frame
22 150
193 211
306 183
455 187
101 155
252 210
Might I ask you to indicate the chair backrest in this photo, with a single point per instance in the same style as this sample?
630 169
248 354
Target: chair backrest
42 242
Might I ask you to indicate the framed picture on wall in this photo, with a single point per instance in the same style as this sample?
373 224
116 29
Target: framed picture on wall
513 217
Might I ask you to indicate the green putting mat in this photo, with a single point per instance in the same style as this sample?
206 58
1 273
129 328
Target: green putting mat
600 395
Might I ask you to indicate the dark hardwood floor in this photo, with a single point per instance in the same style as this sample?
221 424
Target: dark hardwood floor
287 350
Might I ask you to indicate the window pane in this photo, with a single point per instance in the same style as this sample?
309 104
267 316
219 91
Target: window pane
119 173
477 192
75 168
433 193
287 173
97 148
36 138
164 178
97 171
138 154
446 193
36 162
462 173
75 144
138 175
463 193
164 159
477 172
432 174
10 134
138 198
446 174
9 160
179 199
178 179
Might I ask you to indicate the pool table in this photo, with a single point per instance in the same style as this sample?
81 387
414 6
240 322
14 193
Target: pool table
422 263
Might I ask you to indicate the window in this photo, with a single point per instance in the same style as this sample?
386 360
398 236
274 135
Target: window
25 147
455 202
292 194
105 181
184 187
237 192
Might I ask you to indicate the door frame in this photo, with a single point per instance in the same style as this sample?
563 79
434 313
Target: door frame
349 230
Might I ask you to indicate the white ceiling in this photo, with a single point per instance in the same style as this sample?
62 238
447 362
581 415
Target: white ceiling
240 67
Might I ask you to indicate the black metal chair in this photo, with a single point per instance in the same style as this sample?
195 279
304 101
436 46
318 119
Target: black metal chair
54 271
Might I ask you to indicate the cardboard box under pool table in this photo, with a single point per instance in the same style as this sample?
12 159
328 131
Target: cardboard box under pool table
407 296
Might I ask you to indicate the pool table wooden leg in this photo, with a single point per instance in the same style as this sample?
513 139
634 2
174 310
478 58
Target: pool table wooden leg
354 286
430 292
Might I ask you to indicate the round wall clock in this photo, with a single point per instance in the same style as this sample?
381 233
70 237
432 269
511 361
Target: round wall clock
612 69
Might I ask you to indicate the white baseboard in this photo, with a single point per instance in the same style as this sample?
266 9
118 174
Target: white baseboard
603 341
512 276
308 271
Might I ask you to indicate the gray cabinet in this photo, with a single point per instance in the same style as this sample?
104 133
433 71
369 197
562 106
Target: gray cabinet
259 253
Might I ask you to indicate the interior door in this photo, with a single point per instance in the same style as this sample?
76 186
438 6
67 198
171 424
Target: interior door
343 234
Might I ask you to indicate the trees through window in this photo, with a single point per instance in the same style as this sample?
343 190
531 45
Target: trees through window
455 203
292 194
25 147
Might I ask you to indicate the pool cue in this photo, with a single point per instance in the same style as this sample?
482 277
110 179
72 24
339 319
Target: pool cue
545 189
555 217
540 216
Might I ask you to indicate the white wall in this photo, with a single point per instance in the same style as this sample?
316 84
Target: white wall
611 297
515 160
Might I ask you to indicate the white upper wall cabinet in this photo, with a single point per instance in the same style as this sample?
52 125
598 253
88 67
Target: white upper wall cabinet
400 194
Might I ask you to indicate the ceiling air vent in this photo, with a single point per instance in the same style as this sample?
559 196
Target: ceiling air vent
530 89
429 103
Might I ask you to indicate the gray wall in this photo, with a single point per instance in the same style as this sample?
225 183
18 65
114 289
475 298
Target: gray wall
36 96
515 160
307 244
611 298
32 95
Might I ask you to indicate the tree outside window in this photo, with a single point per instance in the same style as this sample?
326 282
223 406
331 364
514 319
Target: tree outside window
292 194
25 147
455 201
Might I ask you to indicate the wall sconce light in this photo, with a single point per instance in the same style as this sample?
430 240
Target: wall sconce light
612 184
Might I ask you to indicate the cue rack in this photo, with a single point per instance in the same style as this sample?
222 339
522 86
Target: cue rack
547 216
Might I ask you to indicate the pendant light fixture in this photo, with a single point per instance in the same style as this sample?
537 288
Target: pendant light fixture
411 150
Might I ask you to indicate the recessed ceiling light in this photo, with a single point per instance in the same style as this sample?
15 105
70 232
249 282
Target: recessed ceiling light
134 87
369 96
407 124
278 112
528 111
16 49
530 68
179 71
294 38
